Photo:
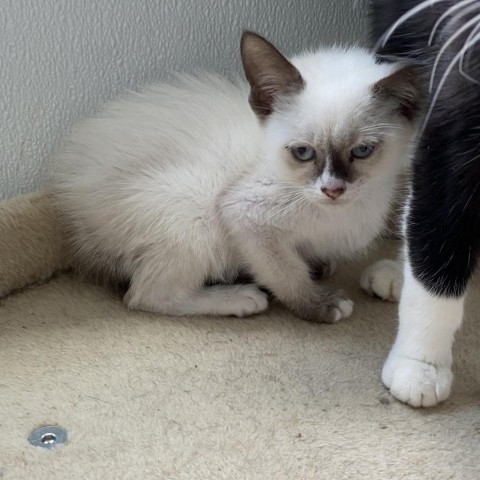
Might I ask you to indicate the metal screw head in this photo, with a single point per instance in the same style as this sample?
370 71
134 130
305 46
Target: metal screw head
48 437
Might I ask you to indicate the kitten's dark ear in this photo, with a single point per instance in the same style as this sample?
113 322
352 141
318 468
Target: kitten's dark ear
269 73
406 87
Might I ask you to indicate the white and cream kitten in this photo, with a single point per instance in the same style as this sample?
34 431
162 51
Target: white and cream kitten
182 187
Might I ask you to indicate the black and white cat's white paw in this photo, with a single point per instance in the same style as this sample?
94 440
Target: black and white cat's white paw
383 279
418 368
416 383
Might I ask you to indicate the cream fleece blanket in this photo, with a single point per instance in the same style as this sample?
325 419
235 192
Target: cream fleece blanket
269 397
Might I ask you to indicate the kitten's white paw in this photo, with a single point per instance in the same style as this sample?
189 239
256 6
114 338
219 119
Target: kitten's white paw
343 309
383 279
247 300
415 382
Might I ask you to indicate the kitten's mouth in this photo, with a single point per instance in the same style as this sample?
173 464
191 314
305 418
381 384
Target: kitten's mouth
332 202
342 201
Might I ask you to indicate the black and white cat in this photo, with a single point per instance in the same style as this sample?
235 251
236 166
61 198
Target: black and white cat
442 218
181 187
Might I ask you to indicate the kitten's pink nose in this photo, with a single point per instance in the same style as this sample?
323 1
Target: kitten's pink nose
333 193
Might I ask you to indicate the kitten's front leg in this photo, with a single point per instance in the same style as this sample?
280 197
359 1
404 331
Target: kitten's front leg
418 368
321 304
284 272
320 269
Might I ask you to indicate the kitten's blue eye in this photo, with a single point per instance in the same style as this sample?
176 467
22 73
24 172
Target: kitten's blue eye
303 153
362 151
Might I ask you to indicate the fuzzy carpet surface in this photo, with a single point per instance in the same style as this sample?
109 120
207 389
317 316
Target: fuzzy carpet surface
268 397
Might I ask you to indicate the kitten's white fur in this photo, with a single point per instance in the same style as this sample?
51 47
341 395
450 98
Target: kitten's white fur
179 183
383 279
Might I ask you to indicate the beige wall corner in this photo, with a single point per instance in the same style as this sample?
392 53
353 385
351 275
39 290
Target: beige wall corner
32 245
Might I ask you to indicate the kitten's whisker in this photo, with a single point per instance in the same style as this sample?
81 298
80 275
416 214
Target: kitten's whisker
285 184
276 209
283 208
446 14
389 134
473 21
379 127
411 13
283 190
297 203
377 133
282 202
287 207
285 195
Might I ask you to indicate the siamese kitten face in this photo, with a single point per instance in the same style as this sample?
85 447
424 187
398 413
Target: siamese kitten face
337 154
337 122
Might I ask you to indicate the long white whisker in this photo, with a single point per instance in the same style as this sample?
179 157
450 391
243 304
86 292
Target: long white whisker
286 190
457 57
449 12
382 130
284 199
461 69
298 203
286 186
464 28
471 160
379 125
285 208
281 202
411 13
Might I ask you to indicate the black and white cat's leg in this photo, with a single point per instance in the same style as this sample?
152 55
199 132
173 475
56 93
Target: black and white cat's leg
176 287
286 273
442 245
418 368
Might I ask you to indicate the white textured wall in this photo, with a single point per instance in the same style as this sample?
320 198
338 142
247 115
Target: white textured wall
60 59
